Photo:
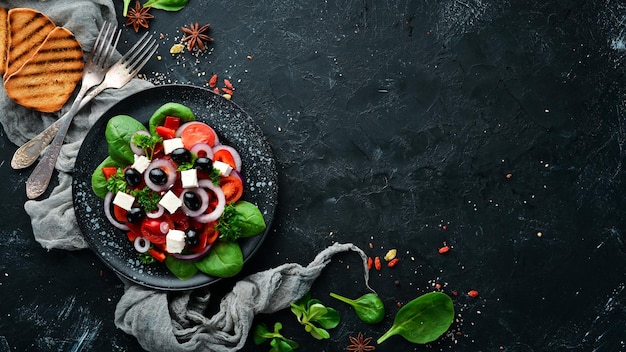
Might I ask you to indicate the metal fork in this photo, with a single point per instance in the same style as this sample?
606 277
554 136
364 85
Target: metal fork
117 76
93 73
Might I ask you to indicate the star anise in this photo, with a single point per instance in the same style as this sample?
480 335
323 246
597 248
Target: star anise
195 36
138 17
360 344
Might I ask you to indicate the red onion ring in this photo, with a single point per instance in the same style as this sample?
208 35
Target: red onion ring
232 151
108 199
219 208
141 244
202 147
169 168
157 213
204 196
164 227
135 148
193 256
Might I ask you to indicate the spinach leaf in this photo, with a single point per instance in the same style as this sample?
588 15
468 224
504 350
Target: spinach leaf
170 109
183 270
98 180
167 5
224 260
369 307
241 219
424 319
118 132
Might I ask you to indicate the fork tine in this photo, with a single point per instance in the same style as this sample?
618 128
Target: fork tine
141 62
133 49
106 46
139 53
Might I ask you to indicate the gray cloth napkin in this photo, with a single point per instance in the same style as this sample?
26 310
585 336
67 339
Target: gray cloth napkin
159 320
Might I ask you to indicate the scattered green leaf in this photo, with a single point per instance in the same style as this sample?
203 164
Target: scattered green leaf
424 319
369 307
278 342
311 313
167 5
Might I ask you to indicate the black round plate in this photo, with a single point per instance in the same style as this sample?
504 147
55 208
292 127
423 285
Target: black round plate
234 127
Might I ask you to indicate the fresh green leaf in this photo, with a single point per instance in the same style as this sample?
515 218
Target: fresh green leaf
369 307
278 342
239 220
311 313
118 133
281 346
183 270
423 320
126 5
224 260
167 5
168 109
98 180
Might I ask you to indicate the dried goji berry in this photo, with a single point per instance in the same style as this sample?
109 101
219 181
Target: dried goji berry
393 262
444 249
473 293
377 264
369 262
213 81
227 91
216 90
228 84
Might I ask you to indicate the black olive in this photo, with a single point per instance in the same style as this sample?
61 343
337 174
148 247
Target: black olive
132 177
192 201
204 164
134 215
181 156
158 176
192 237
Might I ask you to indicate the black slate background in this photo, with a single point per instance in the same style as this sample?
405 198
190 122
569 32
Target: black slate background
395 124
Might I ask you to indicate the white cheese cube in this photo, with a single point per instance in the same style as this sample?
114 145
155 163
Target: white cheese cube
222 167
175 241
141 163
169 145
124 200
170 202
189 178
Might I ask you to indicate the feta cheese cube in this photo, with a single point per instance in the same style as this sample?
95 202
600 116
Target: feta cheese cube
189 178
175 241
124 200
170 202
141 163
222 167
170 144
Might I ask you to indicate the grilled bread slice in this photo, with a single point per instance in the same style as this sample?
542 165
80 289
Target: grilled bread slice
47 80
4 38
28 29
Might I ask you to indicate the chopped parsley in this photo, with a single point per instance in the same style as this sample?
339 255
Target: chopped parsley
227 225
117 182
147 198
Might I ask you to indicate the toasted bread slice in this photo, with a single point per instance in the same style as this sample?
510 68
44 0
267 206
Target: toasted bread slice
47 80
28 29
4 38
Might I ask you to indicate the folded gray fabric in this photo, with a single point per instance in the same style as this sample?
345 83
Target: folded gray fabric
176 322
159 320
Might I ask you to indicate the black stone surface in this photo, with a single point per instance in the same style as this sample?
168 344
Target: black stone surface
495 127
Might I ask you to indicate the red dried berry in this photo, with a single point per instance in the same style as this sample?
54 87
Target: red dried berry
393 262
377 263
444 249
370 262
213 81
473 293
228 84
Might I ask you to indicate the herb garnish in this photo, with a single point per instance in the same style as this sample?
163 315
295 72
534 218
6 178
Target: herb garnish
116 183
146 143
147 198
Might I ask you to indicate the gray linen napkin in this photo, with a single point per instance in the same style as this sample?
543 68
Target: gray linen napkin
159 320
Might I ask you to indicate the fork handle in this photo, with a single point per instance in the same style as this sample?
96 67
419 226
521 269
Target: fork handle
39 179
28 153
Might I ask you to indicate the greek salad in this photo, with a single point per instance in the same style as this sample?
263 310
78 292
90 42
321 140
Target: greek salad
176 192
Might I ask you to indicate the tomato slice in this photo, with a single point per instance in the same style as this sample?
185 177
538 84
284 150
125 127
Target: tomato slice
225 156
119 213
197 132
232 188
165 132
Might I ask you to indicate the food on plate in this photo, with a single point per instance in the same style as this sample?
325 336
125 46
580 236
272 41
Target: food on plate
176 202
42 63
46 80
